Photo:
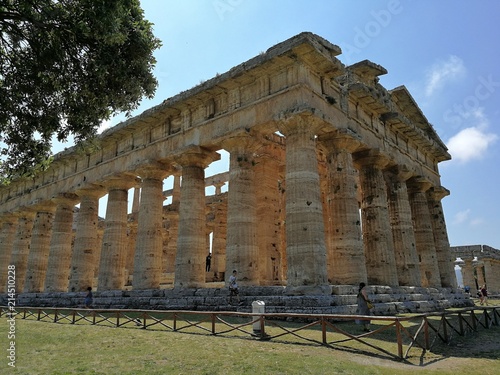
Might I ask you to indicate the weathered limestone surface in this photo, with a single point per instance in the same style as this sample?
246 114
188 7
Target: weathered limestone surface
115 244
84 258
346 255
59 259
407 264
443 253
306 251
377 235
310 141
7 235
39 251
424 236
191 245
21 247
242 252
149 241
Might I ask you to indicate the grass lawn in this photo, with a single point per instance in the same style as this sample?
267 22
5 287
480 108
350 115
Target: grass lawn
48 348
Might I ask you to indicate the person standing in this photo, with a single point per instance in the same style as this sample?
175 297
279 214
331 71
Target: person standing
484 295
89 298
208 262
233 288
363 307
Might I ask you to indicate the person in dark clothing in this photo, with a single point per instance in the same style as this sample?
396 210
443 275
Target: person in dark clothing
208 262
89 298
363 307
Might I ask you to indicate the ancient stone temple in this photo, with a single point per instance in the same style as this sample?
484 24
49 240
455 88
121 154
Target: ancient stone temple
332 180
479 265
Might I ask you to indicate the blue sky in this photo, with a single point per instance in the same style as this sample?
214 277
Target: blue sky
445 52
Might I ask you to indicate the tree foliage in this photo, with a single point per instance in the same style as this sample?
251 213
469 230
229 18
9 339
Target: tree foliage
65 66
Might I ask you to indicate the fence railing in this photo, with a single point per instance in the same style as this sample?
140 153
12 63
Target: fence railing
394 336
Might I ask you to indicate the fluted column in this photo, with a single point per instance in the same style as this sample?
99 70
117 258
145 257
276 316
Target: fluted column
346 256
21 246
305 233
446 261
114 242
492 280
191 243
479 266
149 242
242 251
269 168
59 260
424 236
407 264
377 233
86 245
40 247
468 274
218 264
8 223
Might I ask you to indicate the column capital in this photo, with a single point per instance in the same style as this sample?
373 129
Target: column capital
373 157
92 190
400 172
300 121
241 142
438 192
153 169
66 198
419 184
196 156
343 139
120 181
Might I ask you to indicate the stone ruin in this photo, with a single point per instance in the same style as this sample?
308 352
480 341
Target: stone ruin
479 265
333 180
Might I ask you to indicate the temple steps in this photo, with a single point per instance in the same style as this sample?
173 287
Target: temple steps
387 300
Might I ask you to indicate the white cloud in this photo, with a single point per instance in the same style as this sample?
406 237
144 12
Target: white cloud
470 143
477 222
443 72
461 217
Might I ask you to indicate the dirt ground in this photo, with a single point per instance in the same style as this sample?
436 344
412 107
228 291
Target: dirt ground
464 354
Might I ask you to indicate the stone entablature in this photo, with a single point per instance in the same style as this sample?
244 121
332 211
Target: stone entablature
291 118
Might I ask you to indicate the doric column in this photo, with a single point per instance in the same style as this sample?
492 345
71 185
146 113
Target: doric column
8 223
59 261
149 242
305 233
444 256
115 242
479 266
172 226
269 170
191 243
346 256
407 264
86 245
468 274
21 246
40 247
218 264
492 280
424 236
377 233
242 252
